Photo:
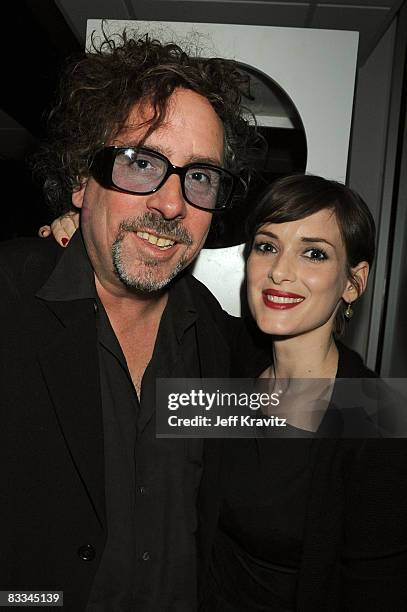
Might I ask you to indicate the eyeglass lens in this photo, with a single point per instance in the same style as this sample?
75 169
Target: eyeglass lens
141 171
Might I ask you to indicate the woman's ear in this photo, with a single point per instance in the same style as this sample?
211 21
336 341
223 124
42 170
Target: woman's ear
77 194
356 286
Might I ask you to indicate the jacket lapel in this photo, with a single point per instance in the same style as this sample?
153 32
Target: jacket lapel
69 362
214 352
212 349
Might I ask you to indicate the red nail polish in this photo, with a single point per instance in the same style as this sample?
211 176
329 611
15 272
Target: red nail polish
64 241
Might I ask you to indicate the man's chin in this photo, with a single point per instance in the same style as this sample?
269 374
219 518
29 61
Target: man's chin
147 279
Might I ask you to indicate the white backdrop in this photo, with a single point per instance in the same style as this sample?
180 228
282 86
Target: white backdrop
316 68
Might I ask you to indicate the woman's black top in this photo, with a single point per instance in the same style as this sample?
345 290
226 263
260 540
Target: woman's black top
258 543
257 548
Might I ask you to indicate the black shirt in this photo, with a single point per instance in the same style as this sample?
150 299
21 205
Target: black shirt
258 543
266 489
150 484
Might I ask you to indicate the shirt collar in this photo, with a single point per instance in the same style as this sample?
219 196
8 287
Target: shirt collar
73 277
181 309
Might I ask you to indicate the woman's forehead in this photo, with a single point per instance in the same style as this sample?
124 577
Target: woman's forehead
321 223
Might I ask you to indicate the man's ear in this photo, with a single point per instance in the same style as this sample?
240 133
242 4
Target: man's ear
355 288
78 194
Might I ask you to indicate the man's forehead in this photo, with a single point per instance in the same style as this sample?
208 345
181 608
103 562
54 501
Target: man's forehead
143 111
175 128
138 120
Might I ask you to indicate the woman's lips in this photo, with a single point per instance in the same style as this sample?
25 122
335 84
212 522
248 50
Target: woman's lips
281 300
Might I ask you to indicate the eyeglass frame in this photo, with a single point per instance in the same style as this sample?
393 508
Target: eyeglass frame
101 168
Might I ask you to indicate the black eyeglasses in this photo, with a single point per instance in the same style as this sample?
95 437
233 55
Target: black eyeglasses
141 171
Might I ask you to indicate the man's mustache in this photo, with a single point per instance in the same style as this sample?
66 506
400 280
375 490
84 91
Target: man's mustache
170 228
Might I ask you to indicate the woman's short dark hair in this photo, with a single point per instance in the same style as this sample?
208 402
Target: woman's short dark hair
297 196
98 91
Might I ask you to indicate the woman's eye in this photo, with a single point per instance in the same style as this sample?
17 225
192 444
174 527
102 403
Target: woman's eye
264 247
316 254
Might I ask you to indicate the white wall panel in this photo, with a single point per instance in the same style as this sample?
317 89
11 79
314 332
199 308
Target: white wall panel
316 68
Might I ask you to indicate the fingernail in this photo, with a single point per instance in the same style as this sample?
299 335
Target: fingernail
64 241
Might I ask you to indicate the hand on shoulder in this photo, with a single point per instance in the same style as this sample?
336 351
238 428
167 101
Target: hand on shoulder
62 228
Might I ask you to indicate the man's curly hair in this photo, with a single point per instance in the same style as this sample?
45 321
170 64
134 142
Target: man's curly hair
98 92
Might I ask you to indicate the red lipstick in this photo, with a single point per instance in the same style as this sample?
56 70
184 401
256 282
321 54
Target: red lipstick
293 299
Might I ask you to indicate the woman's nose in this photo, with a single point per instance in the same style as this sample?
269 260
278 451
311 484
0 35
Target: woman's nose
282 269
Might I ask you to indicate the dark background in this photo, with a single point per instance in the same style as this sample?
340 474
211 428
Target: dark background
34 47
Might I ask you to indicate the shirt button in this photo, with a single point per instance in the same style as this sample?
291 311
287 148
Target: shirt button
86 552
141 490
146 556
95 306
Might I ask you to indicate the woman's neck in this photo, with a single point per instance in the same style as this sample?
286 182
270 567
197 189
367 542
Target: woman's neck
312 355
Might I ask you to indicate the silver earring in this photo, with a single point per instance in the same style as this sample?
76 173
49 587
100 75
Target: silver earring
348 313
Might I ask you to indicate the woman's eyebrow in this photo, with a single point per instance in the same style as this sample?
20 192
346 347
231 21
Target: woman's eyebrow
316 239
306 239
266 233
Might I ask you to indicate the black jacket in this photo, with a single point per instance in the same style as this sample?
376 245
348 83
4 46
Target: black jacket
53 525
355 540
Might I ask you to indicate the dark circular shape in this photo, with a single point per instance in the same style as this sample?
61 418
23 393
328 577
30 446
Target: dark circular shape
86 552
281 126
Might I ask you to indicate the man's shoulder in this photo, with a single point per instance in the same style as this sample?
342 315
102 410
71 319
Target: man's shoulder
28 261
24 247
199 289
250 348
206 303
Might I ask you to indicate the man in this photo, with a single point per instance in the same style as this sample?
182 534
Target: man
147 143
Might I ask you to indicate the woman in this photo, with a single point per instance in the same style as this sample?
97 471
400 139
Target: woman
311 245
305 524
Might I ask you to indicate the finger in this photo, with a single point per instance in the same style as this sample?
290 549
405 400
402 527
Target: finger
75 216
44 231
70 223
64 227
59 232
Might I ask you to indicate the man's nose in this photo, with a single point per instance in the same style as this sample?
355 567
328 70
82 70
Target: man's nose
282 268
168 200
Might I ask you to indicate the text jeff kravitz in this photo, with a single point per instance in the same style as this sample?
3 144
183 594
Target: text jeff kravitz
230 421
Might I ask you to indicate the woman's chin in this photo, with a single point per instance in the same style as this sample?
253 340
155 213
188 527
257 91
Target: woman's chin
276 329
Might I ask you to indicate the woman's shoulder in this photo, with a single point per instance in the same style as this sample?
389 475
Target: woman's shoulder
378 405
350 364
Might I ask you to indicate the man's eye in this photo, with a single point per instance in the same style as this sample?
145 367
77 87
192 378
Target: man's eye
316 254
135 162
142 164
201 177
264 247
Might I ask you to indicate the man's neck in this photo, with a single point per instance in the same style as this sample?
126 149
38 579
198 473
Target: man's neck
135 320
131 305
